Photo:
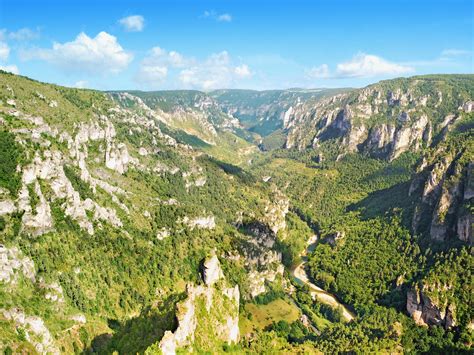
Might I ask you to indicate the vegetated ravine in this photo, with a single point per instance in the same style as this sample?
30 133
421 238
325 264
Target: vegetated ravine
172 221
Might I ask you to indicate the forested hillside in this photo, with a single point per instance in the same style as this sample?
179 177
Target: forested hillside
149 222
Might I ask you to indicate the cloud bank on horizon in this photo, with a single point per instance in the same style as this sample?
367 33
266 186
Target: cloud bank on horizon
224 53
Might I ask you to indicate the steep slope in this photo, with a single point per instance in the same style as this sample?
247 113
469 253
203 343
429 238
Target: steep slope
443 187
264 112
207 317
194 118
384 119
96 200
110 203
394 226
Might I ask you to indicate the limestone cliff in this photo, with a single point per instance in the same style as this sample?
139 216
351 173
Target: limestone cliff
425 311
443 186
443 295
385 119
209 315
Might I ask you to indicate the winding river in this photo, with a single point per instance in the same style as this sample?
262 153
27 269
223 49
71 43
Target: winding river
301 276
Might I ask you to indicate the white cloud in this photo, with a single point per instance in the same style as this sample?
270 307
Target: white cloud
224 17
243 71
368 65
212 73
4 54
134 23
10 68
4 51
362 65
160 56
320 72
23 34
154 67
152 75
99 55
216 71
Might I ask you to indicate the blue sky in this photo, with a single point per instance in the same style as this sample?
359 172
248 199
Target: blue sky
206 45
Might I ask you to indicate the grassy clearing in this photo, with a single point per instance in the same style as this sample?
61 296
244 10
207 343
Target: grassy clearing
261 316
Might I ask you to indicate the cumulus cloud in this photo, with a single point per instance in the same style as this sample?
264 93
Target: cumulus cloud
134 23
224 17
243 71
216 71
362 65
4 51
152 75
212 73
24 34
10 68
4 54
154 67
99 55
161 56
368 65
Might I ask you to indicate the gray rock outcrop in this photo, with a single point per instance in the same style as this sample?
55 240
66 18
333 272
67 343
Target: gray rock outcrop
425 311
220 313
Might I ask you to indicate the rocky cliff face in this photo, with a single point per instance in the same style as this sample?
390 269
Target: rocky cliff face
443 295
35 330
443 183
16 271
209 315
384 119
13 262
194 112
425 311
100 178
263 112
47 167
93 170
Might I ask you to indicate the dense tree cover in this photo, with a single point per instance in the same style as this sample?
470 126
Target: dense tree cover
138 333
294 240
295 332
324 192
377 258
269 342
319 313
448 281
10 156
383 330
365 264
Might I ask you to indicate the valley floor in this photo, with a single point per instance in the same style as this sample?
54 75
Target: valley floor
300 275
